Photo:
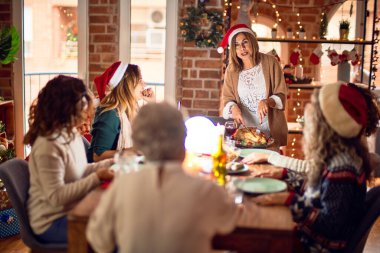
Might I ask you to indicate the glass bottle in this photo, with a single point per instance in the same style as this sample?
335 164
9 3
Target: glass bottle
219 159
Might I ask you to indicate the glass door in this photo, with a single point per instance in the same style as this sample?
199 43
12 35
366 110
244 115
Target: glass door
148 33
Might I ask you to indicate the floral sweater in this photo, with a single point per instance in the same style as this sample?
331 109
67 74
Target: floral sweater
328 214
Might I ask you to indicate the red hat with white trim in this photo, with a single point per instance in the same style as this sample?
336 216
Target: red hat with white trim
112 76
231 33
344 108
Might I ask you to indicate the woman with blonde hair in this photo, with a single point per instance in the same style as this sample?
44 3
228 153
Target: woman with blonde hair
254 90
329 209
59 173
111 129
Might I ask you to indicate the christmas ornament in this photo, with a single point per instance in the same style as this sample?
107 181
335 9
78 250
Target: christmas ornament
295 56
333 56
353 56
315 57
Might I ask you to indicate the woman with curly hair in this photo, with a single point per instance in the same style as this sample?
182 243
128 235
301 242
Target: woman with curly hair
111 129
59 173
329 206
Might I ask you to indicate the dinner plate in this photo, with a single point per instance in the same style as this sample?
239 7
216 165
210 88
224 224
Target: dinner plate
260 185
246 152
241 144
244 169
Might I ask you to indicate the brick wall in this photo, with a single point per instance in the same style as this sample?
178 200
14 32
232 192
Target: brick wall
103 36
199 82
6 70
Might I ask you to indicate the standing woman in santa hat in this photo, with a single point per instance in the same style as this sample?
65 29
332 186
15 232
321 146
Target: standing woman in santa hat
119 88
254 90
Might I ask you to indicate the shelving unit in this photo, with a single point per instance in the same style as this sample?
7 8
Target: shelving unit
362 42
318 41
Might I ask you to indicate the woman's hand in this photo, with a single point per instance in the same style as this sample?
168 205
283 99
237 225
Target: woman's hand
105 174
262 110
236 114
277 173
271 199
256 158
148 95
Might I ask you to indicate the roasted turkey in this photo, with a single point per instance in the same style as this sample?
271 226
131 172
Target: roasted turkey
250 136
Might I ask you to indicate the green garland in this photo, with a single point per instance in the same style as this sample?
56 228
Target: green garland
191 26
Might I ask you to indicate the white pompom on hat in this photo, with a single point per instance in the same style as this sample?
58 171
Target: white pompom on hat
110 76
344 108
231 33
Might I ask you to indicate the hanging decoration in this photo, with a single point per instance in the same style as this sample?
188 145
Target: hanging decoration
345 56
352 8
198 18
375 57
295 56
323 26
315 57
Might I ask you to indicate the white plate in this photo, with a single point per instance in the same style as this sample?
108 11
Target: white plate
260 185
245 152
244 169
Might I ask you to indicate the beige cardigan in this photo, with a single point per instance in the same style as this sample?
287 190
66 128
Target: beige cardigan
275 85
59 177
179 213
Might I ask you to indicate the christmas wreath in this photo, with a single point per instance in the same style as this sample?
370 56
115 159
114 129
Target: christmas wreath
198 18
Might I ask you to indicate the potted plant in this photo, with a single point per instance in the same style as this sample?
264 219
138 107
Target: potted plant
301 33
9 44
274 32
289 33
344 29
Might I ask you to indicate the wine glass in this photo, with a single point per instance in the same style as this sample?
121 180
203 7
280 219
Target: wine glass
230 128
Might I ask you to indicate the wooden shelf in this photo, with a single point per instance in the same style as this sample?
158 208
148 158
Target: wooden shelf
359 42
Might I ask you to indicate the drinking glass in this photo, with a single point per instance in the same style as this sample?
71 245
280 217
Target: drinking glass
230 128
126 161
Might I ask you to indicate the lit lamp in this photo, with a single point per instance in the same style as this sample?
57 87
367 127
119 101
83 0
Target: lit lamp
201 135
200 140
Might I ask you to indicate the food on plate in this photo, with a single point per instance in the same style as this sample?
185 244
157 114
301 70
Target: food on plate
250 136
234 166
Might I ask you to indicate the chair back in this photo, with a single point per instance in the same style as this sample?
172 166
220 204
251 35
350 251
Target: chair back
358 240
15 175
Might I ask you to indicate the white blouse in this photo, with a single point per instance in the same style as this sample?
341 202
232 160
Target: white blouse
251 90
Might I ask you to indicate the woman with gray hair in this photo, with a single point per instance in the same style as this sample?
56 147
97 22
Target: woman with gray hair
160 208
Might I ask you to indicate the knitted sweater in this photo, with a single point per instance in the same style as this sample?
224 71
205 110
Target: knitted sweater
59 177
297 165
328 214
275 85
143 212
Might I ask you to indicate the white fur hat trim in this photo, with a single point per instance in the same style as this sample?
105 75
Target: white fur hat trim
335 114
118 75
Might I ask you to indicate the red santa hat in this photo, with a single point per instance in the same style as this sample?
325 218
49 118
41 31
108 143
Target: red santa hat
344 109
231 33
110 76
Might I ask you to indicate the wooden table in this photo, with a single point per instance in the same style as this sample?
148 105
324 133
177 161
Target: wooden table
266 229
